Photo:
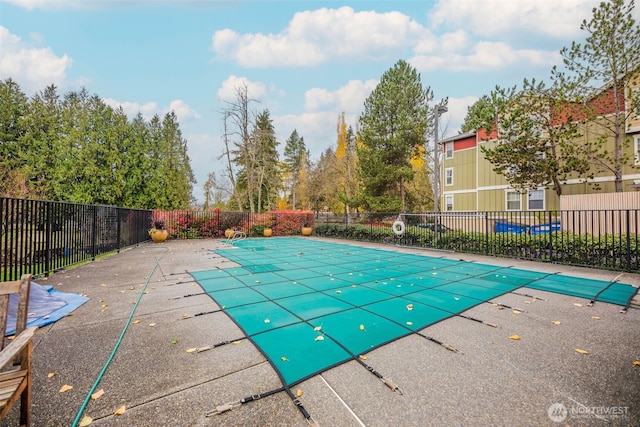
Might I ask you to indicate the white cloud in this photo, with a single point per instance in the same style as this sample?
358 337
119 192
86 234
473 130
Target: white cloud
315 37
317 128
451 121
560 18
32 67
485 56
182 110
229 89
131 109
148 110
349 98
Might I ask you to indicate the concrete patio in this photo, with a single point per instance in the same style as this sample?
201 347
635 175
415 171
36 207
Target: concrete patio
493 380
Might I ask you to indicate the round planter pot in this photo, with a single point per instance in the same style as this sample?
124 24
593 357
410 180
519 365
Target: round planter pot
159 236
306 231
267 232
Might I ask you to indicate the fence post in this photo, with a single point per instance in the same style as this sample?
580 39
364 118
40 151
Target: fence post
47 238
486 233
628 240
118 221
3 248
550 237
94 232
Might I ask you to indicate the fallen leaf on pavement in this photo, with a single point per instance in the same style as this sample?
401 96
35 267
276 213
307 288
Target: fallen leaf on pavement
98 394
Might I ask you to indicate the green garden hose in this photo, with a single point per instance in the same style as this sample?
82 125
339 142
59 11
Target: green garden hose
117 345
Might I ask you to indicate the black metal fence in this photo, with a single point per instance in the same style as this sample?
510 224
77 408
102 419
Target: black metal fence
39 237
605 239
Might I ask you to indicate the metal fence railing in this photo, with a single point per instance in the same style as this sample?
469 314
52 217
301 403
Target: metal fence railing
39 237
605 239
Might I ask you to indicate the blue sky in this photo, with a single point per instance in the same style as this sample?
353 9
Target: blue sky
305 61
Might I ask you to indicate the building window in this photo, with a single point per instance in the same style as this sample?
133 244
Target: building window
536 200
514 201
448 202
637 145
448 176
449 150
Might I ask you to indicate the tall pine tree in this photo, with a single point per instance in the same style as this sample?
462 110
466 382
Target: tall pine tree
393 124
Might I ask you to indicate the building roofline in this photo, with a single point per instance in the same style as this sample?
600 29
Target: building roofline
458 136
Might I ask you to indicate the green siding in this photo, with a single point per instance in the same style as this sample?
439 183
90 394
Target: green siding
464 171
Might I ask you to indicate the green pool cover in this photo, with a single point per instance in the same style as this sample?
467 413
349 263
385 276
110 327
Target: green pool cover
311 305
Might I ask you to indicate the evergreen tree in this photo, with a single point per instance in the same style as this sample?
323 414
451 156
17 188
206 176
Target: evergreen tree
610 56
478 113
392 126
346 162
13 107
175 168
296 158
534 148
267 160
43 145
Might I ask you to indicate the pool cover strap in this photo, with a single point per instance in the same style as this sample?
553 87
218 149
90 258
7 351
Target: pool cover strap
219 344
301 408
385 381
624 309
493 325
221 409
440 343
595 298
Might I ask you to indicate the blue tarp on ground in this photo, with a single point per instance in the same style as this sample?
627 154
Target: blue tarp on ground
46 306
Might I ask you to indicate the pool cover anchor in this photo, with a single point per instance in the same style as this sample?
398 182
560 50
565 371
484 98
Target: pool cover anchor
440 343
386 381
501 306
187 295
221 409
307 416
527 295
216 345
493 325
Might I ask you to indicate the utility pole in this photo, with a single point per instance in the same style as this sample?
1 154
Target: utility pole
437 111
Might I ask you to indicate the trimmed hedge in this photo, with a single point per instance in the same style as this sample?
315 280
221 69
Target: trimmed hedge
607 251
